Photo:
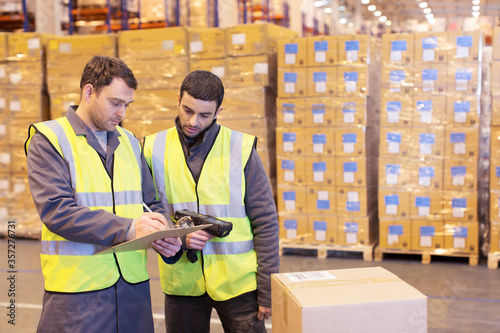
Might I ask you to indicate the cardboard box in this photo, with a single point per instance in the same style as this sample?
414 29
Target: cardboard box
5 159
428 142
254 39
464 79
248 103
26 45
430 78
395 142
353 230
462 110
18 159
398 49
393 172
462 237
3 46
292 82
4 103
160 73
26 74
352 80
426 205
28 103
321 200
81 47
320 171
155 104
495 78
495 236
216 66
427 235
323 229
393 203
351 171
426 174
394 234
148 44
460 174
20 125
431 47
292 199
59 103
4 130
291 170
290 141
258 127
294 228
319 141
462 142
353 201
301 302
354 49
396 111
268 157
428 110
206 43
495 110
144 127
292 52
397 80
320 111
250 71
495 174
350 141
465 46
494 204
460 206
495 142
65 77
351 111
496 43
322 51
321 81
290 112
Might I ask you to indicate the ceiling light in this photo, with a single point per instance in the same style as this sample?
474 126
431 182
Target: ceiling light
427 11
432 21
476 2
475 8
321 3
365 2
475 14
377 13
423 5
328 10
382 18
350 24
372 8
388 23
343 20
429 16
341 8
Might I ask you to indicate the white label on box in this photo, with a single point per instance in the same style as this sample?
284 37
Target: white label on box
428 55
393 148
15 78
458 212
392 239
310 276
15 105
458 180
220 71
33 43
319 176
459 148
391 179
318 118
351 238
424 211
2 103
3 129
196 47
425 241
290 58
261 68
320 86
460 117
425 148
2 72
348 177
322 195
396 55
289 176
238 39
424 181
4 158
459 242
428 85
461 85
391 210
19 188
3 212
320 56
320 235
351 55
289 88
351 86
291 233
426 117
393 117
348 148
4 184
289 204
167 45
288 147
352 196
349 117
462 52
395 89
289 117
318 148
65 47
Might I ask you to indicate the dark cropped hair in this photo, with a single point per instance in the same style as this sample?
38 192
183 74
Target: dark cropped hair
203 85
101 70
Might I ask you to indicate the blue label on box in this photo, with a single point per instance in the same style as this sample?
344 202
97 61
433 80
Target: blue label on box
427 230
460 232
391 199
290 77
422 201
319 225
424 105
289 196
393 137
288 107
461 106
322 204
497 171
396 230
319 166
351 227
458 202
463 74
351 76
352 45
290 224
430 74
292 48
427 171
288 165
397 76
289 137
321 45
457 137
352 206
464 41
429 43
458 171
350 166
393 106
392 169
319 138
349 107
398 45
349 138
426 138
318 108
319 76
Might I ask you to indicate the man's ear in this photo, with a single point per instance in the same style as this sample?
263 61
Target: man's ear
88 90
178 99
218 111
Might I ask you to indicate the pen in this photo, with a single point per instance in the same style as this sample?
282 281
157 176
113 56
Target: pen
169 224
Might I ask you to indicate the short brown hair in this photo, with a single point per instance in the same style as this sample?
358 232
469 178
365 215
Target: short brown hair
101 70
203 85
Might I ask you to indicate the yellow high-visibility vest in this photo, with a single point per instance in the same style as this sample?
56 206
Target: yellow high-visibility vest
227 266
69 266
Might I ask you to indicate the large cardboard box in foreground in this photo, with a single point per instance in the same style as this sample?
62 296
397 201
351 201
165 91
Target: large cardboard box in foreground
369 299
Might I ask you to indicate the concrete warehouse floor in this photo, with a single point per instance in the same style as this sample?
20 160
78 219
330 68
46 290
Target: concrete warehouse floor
462 298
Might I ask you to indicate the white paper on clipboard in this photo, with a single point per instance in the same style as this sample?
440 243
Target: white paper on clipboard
144 242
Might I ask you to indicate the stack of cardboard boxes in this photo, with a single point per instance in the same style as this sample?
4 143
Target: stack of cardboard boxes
327 126
4 139
429 141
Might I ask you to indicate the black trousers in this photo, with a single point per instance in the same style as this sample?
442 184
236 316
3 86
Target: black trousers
185 314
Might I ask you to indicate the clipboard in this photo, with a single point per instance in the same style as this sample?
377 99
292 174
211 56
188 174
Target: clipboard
144 242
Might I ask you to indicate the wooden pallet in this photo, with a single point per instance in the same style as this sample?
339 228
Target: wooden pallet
493 259
427 254
322 249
